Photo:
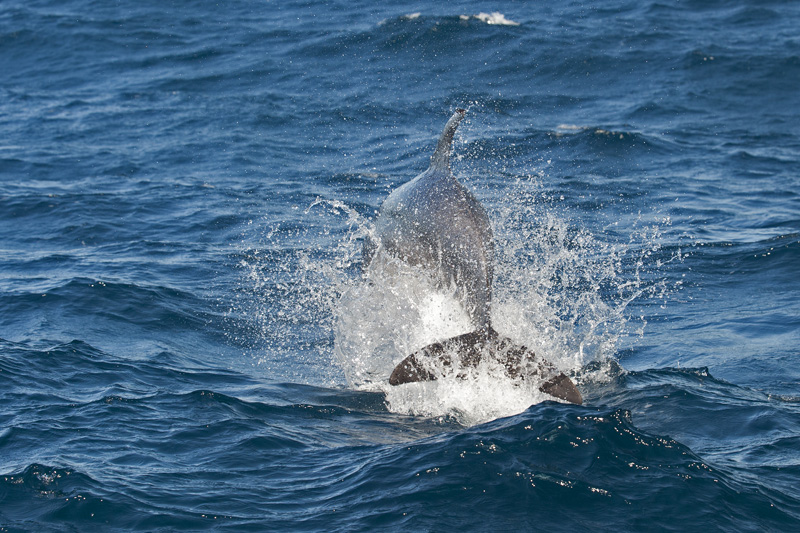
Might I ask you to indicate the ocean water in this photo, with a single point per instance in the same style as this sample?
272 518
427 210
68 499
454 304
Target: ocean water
188 341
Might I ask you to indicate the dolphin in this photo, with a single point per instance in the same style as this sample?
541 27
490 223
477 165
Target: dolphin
434 223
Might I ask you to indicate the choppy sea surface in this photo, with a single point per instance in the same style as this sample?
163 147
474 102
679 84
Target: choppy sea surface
188 341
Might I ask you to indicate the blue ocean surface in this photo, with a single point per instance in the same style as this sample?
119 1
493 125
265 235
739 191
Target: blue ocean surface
188 341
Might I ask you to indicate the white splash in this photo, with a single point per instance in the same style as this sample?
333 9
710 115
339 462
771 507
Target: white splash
393 312
558 290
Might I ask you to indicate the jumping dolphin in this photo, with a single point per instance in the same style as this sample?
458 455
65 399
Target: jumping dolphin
434 223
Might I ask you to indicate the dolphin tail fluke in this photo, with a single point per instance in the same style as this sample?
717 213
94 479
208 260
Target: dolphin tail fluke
469 349
440 159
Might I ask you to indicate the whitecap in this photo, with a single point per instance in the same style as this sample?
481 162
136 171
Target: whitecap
495 18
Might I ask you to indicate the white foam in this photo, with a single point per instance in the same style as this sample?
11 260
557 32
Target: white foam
482 397
570 127
495 18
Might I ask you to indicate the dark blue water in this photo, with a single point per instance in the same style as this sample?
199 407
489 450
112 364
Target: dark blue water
184 334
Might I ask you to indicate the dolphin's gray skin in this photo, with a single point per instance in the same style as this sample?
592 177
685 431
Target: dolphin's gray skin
434 223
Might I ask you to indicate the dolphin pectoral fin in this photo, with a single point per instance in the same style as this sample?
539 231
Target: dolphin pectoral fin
563 388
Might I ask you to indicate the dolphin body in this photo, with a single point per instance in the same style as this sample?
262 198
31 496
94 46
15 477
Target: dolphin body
434 223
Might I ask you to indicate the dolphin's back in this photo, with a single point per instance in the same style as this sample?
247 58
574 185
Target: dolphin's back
435 223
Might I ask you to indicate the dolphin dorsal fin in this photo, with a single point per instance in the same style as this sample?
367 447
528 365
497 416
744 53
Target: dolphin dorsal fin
440 160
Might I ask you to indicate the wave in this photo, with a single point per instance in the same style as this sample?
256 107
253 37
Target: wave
46 497
177 445
750 257
610 141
